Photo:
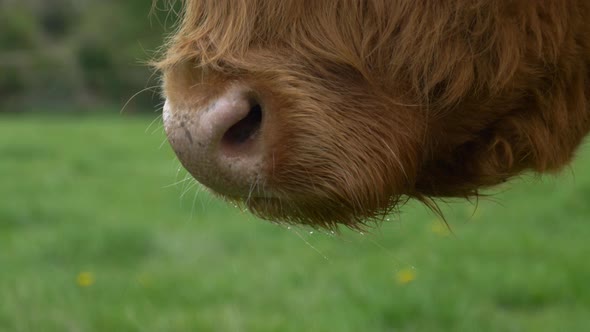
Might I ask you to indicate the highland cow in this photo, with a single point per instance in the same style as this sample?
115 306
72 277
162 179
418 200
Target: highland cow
336 112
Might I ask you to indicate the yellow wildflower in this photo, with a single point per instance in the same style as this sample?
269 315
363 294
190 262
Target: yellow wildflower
405 276
85 279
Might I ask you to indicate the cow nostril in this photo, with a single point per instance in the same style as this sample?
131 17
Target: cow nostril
244 129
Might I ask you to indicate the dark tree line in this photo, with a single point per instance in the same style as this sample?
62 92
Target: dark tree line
78 55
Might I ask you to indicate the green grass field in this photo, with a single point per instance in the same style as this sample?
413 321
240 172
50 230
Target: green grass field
99 232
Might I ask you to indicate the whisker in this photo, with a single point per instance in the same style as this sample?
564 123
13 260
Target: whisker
159 128
197 191
309 244
159 117
252 187
135 95
190 186
176 183
186 183
163 143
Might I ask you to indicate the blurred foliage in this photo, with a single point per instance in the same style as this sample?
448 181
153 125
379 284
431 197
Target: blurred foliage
82 54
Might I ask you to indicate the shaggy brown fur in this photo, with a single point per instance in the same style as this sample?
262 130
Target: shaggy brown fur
371 102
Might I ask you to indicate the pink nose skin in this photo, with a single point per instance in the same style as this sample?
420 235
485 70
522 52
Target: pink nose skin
219 143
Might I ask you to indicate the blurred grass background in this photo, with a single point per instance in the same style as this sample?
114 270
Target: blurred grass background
100 230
